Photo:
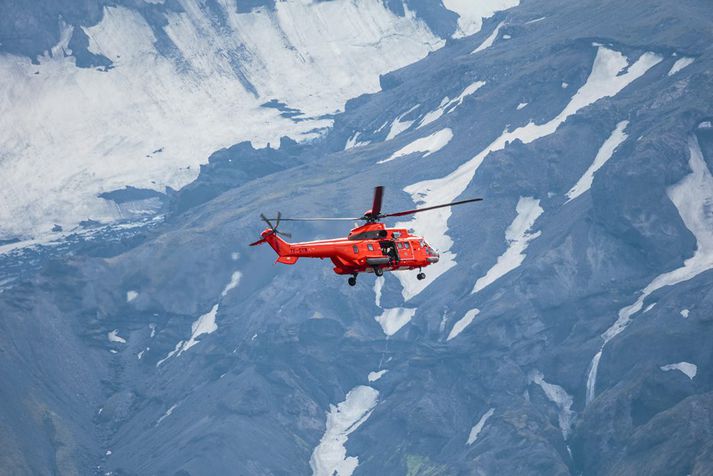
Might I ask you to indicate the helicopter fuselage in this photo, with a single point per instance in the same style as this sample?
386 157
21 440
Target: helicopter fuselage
370 248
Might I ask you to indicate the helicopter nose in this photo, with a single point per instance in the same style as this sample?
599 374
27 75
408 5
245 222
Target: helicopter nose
434 258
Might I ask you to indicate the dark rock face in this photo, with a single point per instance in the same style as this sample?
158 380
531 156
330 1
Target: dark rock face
179 350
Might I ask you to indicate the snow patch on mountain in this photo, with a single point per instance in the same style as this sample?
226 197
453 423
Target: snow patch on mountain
684 313
478 427
693 198
687 368
392 320
462 323
680 64
114 336
611 72
617 137
398 126
427 145
232 284
69 134
330 456
560 398
518 237
488 42
471 14
354 142
378 285
131 295
167 414
205 324
449 105
374 376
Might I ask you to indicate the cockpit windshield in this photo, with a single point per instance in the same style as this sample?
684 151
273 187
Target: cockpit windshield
429 251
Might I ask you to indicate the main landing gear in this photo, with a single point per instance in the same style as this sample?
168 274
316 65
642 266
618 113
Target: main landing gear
352 280
378 271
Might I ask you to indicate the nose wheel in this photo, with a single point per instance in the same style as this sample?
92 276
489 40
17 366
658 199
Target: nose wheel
378 271
352 280
421 276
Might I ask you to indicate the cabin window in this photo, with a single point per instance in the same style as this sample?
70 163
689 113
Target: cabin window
406 245
370 247
400 245
396 235
356 249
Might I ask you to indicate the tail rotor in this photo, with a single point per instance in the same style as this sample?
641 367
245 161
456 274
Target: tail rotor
277 223
273 229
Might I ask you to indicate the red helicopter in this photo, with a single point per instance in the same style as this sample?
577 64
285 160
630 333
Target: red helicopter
369 248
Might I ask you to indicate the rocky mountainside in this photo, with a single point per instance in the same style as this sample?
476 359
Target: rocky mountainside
565 330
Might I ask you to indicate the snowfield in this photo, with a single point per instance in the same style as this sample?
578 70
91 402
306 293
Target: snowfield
611 72
68 134
205 324
426 145
688 369
462 323
560 398
472 13
518 237
693 198
392 320
330 456
488 42
449 105
680 64
617 137
478 427
398 125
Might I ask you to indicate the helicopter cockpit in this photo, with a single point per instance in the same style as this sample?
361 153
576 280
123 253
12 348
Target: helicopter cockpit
432 255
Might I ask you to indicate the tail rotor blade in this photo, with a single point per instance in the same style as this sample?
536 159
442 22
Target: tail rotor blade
277 222
264 218
285 234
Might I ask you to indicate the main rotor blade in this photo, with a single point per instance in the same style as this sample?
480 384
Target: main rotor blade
376 205
322 219
416 210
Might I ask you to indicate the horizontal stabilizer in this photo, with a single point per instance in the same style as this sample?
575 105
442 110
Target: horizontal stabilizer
287 259
258 242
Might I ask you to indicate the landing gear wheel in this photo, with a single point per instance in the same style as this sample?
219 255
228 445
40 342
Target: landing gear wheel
378 271
352 281
421 276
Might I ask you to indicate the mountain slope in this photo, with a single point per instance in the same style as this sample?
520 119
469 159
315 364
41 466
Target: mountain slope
564 333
